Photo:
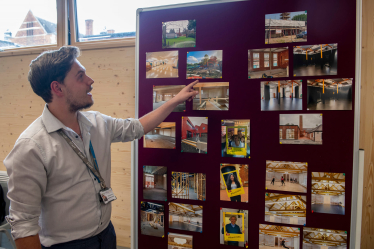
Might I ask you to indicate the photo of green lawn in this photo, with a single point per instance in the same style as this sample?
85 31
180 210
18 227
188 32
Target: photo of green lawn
179 34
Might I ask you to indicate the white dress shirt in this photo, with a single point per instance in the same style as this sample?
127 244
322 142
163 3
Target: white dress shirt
51 191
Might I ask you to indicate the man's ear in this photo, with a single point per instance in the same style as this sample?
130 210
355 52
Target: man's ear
56 89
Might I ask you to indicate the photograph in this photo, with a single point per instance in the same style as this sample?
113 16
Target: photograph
286 27
190 186
155 183
300 129
330 94
234 182
234 227
212 96
179 34
179 241
328 193
186 217
235 138
282 95
162 137
204 64
195 134
268 63
162 64
324 238
286 176
285 208
152 219
162 94
271 236
314 60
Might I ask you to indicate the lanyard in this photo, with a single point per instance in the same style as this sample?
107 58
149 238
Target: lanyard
94 169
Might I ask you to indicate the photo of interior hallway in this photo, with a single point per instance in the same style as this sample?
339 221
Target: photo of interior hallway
330 94
243 174
162 137
179 241
162 64
195 134
285 95
272 236
186 217
294 175
155 183
152 219
162 94
285 208
328 192
318 238
212 96
190 186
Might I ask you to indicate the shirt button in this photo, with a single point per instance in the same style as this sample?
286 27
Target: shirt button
101 223
76 136
95 179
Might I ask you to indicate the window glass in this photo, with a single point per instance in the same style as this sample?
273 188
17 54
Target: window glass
275 59
280 133
266 60
256 60
290 133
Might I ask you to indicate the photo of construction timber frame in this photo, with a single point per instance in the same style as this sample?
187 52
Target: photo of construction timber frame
324 238
155 183
162 137
152 219
330 94
286 27
328 193
313 60
300 129
240 175
212 96
190 186
268 63
179 241
162 94
294 175
271 236
186 217
195 134
285 208
282 95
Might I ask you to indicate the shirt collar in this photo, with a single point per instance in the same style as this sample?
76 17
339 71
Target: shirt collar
232 225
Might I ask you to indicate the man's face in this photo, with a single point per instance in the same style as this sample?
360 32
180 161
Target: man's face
233 220
77 87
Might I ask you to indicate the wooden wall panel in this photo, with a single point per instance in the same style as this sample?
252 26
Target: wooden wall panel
114 94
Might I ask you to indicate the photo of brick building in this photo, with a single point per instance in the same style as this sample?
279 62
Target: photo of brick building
195 134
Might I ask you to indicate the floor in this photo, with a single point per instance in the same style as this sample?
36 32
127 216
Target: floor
162 71
154 194
299 141
328 209
313 70
146 229
285 104
185 226
284 39
178 108
293 187
275 247
159 141
210 106
192 194
225 197
341 104
275 73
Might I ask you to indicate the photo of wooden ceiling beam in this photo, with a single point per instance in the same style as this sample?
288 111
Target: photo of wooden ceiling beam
327 183
286 167
281 231
285 205
185 209
324 237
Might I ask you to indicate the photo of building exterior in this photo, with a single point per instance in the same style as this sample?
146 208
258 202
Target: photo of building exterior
152 219
155 183
324 238
212 96
190 186
274 236
186 217
179 34
300 129
179 241
204 64
285 95
162 64
162 94
195 134
268 63
162 137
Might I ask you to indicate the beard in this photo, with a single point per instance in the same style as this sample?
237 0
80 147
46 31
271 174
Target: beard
77 104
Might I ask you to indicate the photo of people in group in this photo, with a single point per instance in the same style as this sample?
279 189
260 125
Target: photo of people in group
186 217
235 138
195 134
328 193
204 64
286 27
179 241
275 236
162 64
234 182
179 34
282 95
212 96
190 186
152 219
162 137
324 238
286 176
234 227
330 94
162 94
285 208
155 183
313 60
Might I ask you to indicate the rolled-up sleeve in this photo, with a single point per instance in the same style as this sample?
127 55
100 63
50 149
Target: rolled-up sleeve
26 187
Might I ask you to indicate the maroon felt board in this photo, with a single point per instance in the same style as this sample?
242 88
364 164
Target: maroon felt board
236 27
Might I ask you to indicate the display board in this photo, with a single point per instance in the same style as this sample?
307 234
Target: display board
265 152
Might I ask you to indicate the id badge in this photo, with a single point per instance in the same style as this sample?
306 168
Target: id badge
107 195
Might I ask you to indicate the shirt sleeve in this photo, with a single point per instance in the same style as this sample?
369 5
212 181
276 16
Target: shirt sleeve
26 187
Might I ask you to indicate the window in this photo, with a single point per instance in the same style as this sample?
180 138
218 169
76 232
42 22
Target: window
275 59
266 60
280 133
290 133
256 60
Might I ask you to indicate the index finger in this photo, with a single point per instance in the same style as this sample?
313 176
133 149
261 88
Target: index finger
193 83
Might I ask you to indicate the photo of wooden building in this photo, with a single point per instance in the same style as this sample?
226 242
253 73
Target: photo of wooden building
195 134
272 236
162 94
212 96
190 186
163 136
285 95
155 183
179 241
186 217
162 64
324 238
152 219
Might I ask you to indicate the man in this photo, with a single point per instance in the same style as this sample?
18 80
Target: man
273 180
60 166
232 228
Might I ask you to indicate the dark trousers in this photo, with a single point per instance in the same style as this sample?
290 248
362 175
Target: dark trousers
104 240
237 198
